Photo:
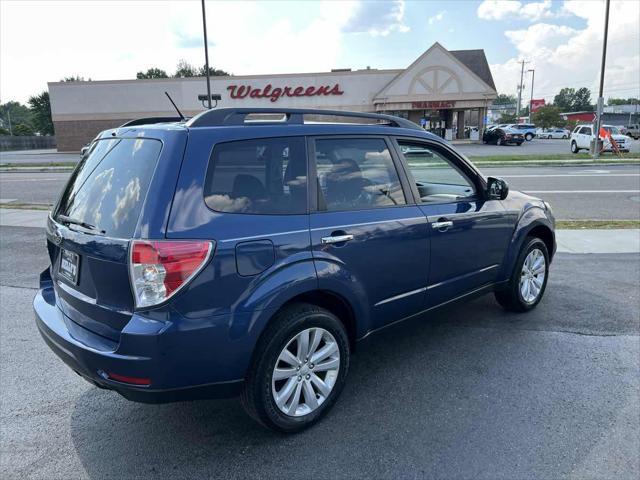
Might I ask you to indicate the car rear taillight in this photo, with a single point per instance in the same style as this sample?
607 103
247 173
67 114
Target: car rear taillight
159 268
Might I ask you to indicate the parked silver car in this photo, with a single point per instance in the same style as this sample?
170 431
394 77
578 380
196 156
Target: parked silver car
553 133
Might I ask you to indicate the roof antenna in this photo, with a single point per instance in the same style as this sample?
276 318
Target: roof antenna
174 106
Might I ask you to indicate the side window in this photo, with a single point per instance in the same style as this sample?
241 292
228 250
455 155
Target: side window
586 131
356 173
264 176
437 178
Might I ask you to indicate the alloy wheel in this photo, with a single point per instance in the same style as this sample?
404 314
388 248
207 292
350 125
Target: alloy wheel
305 372
534 270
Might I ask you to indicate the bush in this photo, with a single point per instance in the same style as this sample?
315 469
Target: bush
22 130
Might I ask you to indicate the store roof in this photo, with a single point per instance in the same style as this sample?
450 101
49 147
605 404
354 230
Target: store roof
476 61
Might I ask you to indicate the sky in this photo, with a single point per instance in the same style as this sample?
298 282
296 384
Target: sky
43 41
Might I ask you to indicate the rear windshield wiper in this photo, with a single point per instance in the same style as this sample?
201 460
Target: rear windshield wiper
75 221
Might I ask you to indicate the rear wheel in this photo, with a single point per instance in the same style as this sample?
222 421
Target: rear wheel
564 137
299 369
529 278
574 147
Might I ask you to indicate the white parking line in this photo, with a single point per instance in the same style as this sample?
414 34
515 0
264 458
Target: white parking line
582 191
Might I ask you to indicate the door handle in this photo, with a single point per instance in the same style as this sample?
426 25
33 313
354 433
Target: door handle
442 225
336 239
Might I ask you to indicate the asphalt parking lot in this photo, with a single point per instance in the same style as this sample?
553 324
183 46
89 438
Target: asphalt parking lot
534 147
471 392
537 146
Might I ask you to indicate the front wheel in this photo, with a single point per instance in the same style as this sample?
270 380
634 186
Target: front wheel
529 279
574 147
299 369
499 141
528 137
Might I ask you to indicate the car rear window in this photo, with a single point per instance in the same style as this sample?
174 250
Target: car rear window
109 186
259 176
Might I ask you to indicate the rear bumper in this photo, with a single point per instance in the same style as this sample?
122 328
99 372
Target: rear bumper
92 357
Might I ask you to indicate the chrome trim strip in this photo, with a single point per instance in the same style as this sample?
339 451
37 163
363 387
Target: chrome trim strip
368 223
439 284
402 295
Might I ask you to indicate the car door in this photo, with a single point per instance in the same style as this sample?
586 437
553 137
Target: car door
469 234
368 237
584 137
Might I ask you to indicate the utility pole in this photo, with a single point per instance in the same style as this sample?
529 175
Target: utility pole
533 76
206 55
600 104
520 90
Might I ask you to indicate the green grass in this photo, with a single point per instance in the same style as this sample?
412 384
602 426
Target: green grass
596 224
26 206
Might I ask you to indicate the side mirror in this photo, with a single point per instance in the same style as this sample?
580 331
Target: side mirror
497 189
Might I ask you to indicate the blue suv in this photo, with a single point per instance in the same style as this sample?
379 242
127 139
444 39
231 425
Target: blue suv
246 252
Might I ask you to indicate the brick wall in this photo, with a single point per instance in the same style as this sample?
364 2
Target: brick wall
71 135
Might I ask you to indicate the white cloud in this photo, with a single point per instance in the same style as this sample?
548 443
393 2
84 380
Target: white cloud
540 38
567 57
436 18
506 9
43 41
375 18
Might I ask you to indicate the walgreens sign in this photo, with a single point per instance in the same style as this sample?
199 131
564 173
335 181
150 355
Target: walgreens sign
239 92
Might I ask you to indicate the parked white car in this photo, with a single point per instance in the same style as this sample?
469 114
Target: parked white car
583 134
553 133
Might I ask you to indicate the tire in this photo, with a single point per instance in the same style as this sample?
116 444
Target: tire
574 147
519 144
499 141
511 297
528 137
258 394
564 137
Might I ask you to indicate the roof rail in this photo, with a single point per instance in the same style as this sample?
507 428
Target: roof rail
150 121
292 116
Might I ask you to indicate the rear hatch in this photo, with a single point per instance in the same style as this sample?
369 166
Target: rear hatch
89 231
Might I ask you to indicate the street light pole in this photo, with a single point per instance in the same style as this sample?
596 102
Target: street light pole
533 76
520 90
600 104
206 55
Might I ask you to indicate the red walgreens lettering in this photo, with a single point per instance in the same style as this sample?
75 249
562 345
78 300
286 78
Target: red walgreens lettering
274 94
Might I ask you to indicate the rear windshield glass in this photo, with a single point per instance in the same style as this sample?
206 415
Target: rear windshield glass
110 184
265 176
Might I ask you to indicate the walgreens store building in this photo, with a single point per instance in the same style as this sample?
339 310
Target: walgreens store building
444 91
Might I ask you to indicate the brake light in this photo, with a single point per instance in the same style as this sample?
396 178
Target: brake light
160 268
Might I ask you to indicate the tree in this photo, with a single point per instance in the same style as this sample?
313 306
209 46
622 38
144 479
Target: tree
572 100
40 107
152 73
503 99
548 116
22 130
75 78
4 131
507 118
582 100
13 113
214 72
184 69
623 101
